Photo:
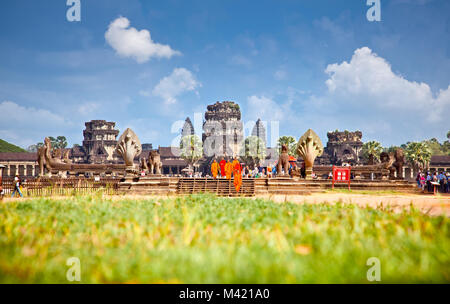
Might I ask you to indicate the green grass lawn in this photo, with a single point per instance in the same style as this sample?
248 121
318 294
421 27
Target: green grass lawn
205 239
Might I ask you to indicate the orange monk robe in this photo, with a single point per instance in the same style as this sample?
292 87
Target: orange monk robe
228 170
237 172
222 167
214 169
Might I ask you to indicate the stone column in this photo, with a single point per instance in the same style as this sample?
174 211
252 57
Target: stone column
33 171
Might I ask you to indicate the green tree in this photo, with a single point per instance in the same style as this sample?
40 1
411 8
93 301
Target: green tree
290 142
254 151
191 149
371 151
62 142
448 135
54 142
435 147
418 154
392 149
32 149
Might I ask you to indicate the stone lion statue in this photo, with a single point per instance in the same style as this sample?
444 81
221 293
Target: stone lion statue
397 165
283 161
154 163
144 166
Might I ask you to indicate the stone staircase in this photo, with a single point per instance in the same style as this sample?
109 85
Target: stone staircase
220 187
286 186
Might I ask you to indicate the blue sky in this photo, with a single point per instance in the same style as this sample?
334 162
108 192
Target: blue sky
308 64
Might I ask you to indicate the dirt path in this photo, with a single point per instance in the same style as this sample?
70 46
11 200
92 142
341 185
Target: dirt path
433 205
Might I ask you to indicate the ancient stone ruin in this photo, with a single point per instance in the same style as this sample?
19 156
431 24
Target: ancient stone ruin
342 147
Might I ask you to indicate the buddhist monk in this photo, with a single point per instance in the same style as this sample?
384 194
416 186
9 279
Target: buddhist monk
237 172
214 169
222 167
228 170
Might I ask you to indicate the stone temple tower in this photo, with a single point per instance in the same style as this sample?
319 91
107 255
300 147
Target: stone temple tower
100 140
223 130
260 131
188 128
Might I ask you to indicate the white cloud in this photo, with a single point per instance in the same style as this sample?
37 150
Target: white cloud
129 42
368 81
181 80
262 107
88 108
26 125
240 60
280 75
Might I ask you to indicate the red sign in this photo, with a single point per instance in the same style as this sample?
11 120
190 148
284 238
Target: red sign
341 175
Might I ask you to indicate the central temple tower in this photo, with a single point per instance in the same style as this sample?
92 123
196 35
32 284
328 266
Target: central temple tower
223 130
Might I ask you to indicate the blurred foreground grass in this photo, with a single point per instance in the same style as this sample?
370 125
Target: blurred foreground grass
205 239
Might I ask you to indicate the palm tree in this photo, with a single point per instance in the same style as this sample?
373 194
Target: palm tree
290 142
191 149
254 150
371 150
418 154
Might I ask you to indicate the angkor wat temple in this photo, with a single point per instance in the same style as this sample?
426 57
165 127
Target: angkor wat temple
222 131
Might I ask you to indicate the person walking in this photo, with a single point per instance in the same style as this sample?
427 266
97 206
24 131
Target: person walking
215 169
429 180
17 182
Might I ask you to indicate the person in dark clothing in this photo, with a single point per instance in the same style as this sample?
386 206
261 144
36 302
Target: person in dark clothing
429 179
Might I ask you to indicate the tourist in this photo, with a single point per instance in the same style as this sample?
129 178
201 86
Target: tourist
445 182
448 183
17 183
422 181
269 171
429 179
418 179
330 175
441 178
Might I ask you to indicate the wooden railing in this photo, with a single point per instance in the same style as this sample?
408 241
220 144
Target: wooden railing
62 186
